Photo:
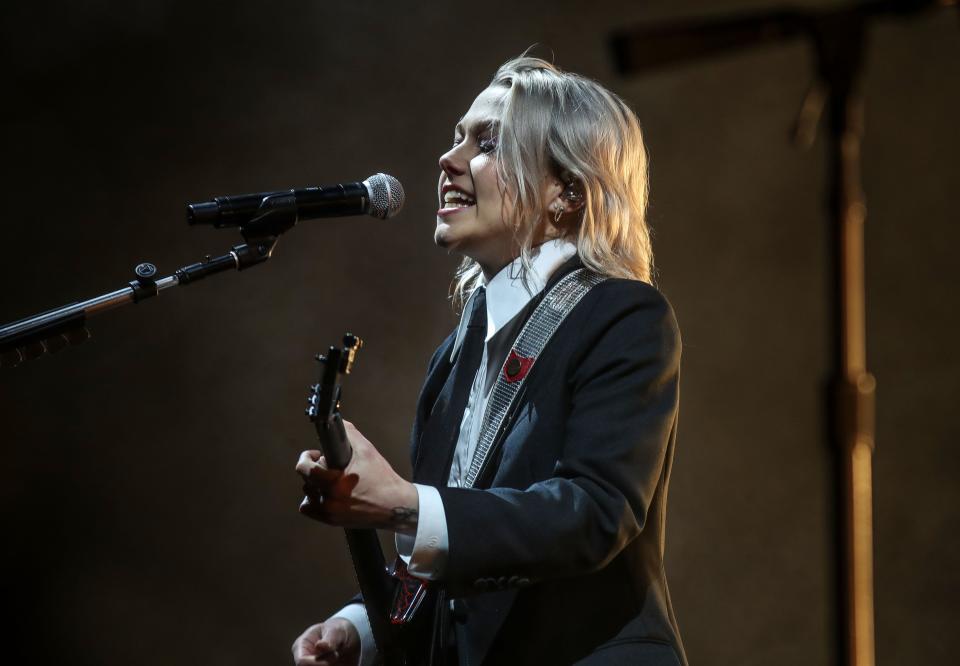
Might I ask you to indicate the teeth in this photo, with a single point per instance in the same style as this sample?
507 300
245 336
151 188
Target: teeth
457 197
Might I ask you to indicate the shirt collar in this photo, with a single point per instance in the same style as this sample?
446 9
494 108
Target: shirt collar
506 292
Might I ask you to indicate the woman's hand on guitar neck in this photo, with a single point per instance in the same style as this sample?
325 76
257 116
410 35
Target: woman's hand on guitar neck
331 643
367 494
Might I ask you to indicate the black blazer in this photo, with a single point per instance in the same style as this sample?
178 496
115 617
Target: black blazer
557 554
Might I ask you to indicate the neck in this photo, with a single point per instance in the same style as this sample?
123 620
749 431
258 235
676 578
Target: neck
490 270
493 265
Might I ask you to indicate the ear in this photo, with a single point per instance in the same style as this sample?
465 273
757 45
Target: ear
565 195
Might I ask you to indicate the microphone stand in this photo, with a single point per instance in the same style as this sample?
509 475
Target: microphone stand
838 37
54 330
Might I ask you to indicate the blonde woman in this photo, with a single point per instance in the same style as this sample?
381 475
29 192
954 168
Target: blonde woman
551 550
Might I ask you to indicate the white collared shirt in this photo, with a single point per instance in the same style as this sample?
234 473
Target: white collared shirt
425 553
507 295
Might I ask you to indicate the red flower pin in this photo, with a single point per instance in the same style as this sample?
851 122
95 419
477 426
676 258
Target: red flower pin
516 367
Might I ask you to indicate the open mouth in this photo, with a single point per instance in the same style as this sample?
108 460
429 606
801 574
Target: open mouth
454 200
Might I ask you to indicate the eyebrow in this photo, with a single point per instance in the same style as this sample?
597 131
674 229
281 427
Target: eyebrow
480 125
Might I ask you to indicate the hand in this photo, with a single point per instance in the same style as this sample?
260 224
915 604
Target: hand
367 494
331 643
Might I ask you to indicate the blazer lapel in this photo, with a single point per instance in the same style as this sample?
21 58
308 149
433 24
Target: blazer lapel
439 437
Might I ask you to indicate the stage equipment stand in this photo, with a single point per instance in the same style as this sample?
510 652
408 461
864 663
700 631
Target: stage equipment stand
52 331
837 36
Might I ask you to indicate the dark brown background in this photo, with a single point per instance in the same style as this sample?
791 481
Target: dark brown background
148 492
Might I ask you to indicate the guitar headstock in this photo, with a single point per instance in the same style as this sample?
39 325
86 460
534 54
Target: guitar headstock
324 398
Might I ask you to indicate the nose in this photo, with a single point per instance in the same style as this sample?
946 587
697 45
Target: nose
451 164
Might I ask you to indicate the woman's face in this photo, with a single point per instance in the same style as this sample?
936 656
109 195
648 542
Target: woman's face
473 217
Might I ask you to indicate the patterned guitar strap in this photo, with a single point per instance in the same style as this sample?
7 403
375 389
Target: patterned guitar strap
562 298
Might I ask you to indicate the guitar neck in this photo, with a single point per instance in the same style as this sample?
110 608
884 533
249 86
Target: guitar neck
369 564
376 586
334 443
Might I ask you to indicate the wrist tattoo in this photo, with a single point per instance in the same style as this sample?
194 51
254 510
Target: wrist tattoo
403 516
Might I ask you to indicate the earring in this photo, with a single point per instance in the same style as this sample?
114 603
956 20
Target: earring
559 212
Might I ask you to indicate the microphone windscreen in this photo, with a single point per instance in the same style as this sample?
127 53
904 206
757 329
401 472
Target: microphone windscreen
386 195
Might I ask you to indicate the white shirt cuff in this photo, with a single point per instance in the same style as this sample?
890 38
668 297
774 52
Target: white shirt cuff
425 554
356 614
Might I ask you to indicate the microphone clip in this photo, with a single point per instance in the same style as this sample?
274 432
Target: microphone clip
254 251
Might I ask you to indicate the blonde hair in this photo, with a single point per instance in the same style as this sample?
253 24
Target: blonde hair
566 126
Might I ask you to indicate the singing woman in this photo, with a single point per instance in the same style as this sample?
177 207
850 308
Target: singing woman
540 524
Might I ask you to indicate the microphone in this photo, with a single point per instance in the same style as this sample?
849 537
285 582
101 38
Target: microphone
379 195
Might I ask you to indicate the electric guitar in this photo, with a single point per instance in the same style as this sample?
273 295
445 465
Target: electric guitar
391 595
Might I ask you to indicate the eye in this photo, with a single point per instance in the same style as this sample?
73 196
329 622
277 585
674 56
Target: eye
487 145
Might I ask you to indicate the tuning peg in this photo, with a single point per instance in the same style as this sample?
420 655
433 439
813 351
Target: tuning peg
311 412
314 389
353 345
350 341
321 358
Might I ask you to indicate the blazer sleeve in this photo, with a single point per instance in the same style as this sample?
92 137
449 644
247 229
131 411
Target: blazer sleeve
624 392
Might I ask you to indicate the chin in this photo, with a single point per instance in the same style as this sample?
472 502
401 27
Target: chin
441 237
